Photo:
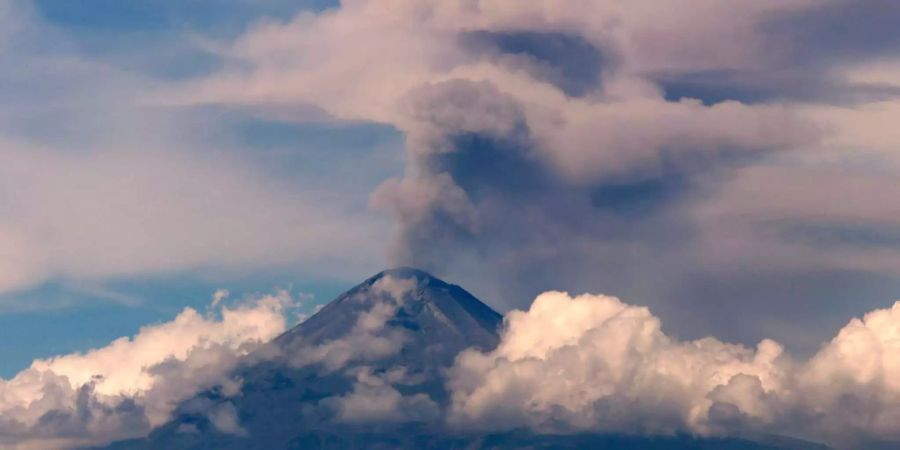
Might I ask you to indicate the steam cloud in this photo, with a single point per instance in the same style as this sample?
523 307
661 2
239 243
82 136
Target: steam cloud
585 143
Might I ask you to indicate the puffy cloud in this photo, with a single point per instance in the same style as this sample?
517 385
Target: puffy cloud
133 384
613 369
224 418
375 399
851 386
612 366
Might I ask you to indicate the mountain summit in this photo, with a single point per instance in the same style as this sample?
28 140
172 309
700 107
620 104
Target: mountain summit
438 319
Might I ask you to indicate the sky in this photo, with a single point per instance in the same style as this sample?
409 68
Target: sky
76 134
732 166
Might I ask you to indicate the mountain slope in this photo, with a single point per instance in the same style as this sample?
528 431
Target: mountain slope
440 319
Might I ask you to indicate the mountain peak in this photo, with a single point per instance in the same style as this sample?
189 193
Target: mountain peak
437 318
411 277
404 272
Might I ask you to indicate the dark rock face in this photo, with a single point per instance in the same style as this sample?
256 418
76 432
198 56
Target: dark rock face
387 340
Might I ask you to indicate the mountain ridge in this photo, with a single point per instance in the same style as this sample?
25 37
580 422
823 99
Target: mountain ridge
429 294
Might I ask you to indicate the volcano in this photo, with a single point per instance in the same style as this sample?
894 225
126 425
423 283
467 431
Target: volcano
368 371
438 319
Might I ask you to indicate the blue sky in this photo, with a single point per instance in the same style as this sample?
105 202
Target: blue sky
115 30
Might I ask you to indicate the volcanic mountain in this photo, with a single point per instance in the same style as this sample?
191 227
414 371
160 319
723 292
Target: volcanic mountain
438 319
368 371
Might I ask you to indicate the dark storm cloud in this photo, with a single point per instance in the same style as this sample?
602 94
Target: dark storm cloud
773 84
567 61
804 51
835 32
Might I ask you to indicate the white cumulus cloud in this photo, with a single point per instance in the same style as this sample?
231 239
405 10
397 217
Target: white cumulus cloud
133 384
375 399
594 363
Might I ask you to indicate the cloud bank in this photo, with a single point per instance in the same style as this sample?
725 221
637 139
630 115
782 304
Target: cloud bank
162 212
132 385
588 363
594 363
375 399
